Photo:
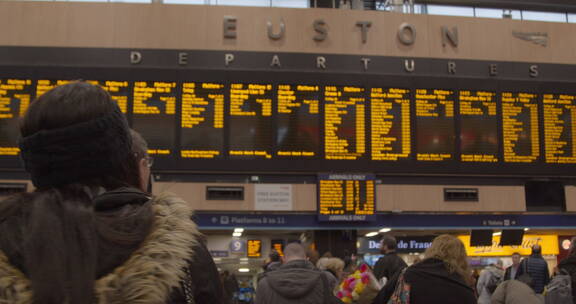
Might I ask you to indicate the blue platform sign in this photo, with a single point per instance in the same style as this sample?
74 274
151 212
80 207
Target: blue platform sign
299 221
237 246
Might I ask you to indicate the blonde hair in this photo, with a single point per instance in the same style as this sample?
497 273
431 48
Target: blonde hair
451 251
336 265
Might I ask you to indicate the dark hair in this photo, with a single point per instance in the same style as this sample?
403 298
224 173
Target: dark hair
516 253
572 249
536 249
274 256
389 241
53 235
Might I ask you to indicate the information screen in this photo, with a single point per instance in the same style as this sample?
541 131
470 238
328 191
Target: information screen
478 126
344 122
346 197
45 85
154 115
254 248
251 129
202 120
15 97
435 124
521 139
390 123
560 128
298 126
235 124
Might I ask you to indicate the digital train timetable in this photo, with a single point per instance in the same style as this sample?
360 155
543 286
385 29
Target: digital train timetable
346 197
312 126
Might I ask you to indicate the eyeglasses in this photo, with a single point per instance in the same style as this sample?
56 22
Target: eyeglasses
149 161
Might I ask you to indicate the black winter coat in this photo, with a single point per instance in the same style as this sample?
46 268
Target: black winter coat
430 282
388 265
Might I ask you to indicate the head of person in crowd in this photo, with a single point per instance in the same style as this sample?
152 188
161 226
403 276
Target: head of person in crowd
294 252
273 262
76 144
500 264
274 256
388 244
452 252
333 265
516 257
313 255
572 249
536 249
140 150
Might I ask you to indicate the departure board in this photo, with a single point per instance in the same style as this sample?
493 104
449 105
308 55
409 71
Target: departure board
346 197
520 135
434 124
118 90
202 120
560 128
478 126
235 124
254 248
344 122
390 123
45 85
15 97
251 128
154 114
298 121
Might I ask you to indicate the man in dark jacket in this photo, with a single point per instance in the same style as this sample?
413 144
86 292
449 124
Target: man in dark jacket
512 271
297 281
537 268
390 263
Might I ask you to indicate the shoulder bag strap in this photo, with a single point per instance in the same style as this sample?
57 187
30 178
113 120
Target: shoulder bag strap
399 296
187 287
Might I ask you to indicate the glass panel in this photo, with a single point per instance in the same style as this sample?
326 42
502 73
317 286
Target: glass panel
132 1
572 18
512 14
86 0
291 3
543 16
186 2
489 13
243 2
419 9
446 10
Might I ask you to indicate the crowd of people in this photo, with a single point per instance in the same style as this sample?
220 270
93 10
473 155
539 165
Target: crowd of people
443 276
91 233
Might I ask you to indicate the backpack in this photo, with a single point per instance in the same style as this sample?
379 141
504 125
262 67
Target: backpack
493 282
559 290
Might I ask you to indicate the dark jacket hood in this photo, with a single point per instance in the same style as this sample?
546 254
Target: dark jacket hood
294 279
568 264
569 260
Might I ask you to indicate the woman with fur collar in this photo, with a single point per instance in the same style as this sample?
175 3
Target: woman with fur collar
89 233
